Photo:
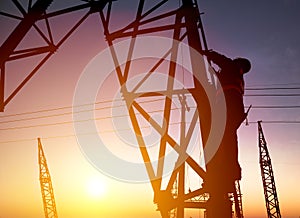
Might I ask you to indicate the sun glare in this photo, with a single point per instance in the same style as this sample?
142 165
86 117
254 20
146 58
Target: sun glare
95 187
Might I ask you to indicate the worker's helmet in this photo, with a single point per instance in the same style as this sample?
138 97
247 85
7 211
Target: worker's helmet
243 63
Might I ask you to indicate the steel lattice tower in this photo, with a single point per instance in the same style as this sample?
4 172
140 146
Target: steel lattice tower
237 195
46 185
182 24
267 174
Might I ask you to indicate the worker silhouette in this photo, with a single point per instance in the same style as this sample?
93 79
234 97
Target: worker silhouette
224 169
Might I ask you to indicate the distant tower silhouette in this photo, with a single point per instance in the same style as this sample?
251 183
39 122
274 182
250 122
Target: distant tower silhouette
237 195
271 197
46 185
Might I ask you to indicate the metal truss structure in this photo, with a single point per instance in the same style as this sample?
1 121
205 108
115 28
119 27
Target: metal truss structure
238 203
271 198
36 18
182 24
46 185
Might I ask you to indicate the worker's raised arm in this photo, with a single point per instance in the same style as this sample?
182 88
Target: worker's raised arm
219 59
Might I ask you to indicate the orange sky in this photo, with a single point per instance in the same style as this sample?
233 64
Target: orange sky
53 87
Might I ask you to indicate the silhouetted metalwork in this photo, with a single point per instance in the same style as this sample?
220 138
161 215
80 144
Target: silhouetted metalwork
238 203
271 198
46 185
184 24
34 14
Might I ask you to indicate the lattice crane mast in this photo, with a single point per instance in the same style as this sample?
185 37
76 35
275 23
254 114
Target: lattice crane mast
237 199
267 174
46 185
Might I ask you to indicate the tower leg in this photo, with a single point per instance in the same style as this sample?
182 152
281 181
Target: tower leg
2 82
219 206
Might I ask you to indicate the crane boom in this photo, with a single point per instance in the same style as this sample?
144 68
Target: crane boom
46 185
267 174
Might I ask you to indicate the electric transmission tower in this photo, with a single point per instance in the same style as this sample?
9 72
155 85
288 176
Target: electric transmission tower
180 48
267 175
35 19
46 185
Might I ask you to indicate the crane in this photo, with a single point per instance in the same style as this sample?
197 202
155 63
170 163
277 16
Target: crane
271 198
237 196
46 185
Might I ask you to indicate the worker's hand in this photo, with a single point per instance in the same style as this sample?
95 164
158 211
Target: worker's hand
207 52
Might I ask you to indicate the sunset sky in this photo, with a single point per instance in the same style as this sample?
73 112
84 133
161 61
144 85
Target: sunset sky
267 32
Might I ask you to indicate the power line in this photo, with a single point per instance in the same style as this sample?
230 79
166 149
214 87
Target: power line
120 116
275 107
275 84
272 88
89 110
70 122
122 100
282 122
272 95
59 108
277 122
111 107
56 115
108 107
75 106
128 129
90 133
60 123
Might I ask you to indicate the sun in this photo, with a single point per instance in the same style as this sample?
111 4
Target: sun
95 187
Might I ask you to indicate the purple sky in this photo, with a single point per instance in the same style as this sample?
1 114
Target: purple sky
267 32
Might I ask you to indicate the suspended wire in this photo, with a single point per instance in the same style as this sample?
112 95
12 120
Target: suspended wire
274 84
130 129
61 114
274 107
18 140
71 107
120 105
115 100
60 108
120 116
272 95
110 117
278 122
75 121
108 107
272 88
81 134
60 123
68 113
